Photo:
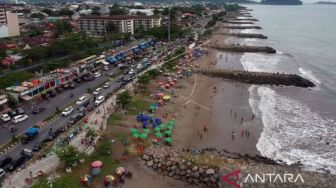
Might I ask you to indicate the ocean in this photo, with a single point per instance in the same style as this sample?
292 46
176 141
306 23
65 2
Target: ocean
299 124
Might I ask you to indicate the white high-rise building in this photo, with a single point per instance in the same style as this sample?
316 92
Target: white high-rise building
9 23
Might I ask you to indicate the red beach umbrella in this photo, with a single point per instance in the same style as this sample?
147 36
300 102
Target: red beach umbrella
96 164
160 95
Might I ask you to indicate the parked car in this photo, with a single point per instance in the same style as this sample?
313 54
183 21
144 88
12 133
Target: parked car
81 100
120 79
81 111
131 72
106 68
72 85
20 111
12 113
38 110
52 93
67 111
74 118
97 74
2 173
19 118
97 91
18 162
77 79
5 162
5 117
106 85
37 146
99 100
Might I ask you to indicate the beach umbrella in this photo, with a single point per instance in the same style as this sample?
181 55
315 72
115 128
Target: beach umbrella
120 170
158 134
152 107
162 126
171 122
96 164
143 136
171 83
166 97
157 128
167 85
168 133
86 179
135 135
133 130
168 140
146 131
109 178
160 83
170 127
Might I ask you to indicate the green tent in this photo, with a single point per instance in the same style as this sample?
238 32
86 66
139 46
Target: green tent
171 122
135 135
170 127
143 136
157 128
158 134
152 107
168 140
162 126
133 130
168 133
146 131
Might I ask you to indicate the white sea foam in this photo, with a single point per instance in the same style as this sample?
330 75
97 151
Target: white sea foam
259 62
309 75
292 131
249 31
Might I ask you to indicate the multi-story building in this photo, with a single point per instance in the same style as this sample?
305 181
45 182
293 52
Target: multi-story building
99 25
9 23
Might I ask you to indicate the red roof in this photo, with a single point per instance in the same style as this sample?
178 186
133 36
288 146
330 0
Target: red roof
7 61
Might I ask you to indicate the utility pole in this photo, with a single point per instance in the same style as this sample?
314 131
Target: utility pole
169 24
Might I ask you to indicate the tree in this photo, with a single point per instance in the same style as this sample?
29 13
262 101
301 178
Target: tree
153 73
62 27
68 154
140 13
48 11
104 148
95 11
90 133
111 27
117 10
156 11
2 53
124 99
37 15
34 31
144 80
65 12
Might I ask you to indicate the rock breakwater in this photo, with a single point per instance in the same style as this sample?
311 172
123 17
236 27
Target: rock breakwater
241 27
244 48
245 35
259 78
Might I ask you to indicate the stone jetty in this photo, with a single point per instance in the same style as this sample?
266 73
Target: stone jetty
243 19
241 27
192 167
245 35
238 22
244 48
258 78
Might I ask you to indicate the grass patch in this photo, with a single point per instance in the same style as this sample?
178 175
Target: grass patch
213 161
114 119
137 106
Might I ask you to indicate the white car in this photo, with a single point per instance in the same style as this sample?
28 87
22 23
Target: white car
106 68
2 173
139 66
81 100
97 91
106 85
99 100
67 111
97 74
19 118
131 71
5 117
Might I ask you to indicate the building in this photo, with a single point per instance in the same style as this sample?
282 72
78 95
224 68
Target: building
9 23
147 12
98 25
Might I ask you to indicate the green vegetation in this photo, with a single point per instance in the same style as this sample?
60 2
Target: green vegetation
124 99
62 12
137 106
117 10
69 155
55 64
14 78
59 182
162 32
37 15
95 11
114 119
61 28
104 148
231 7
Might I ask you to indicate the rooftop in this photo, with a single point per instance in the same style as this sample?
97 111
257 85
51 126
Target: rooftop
117 17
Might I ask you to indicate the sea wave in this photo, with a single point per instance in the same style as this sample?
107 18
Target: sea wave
259 62
249 31
309 75
292 131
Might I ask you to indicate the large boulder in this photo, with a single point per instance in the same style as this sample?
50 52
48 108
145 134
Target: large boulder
150 163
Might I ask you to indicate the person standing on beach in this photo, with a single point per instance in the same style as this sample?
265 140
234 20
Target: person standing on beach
233 135
235 115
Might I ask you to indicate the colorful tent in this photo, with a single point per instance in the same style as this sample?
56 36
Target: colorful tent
143 136
168 133
146 131
133 130
97 164
170 127
160 94
135 135
109 178
158 134
166 97
168 140
162 126
86 179
120 170
171 122
157 129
